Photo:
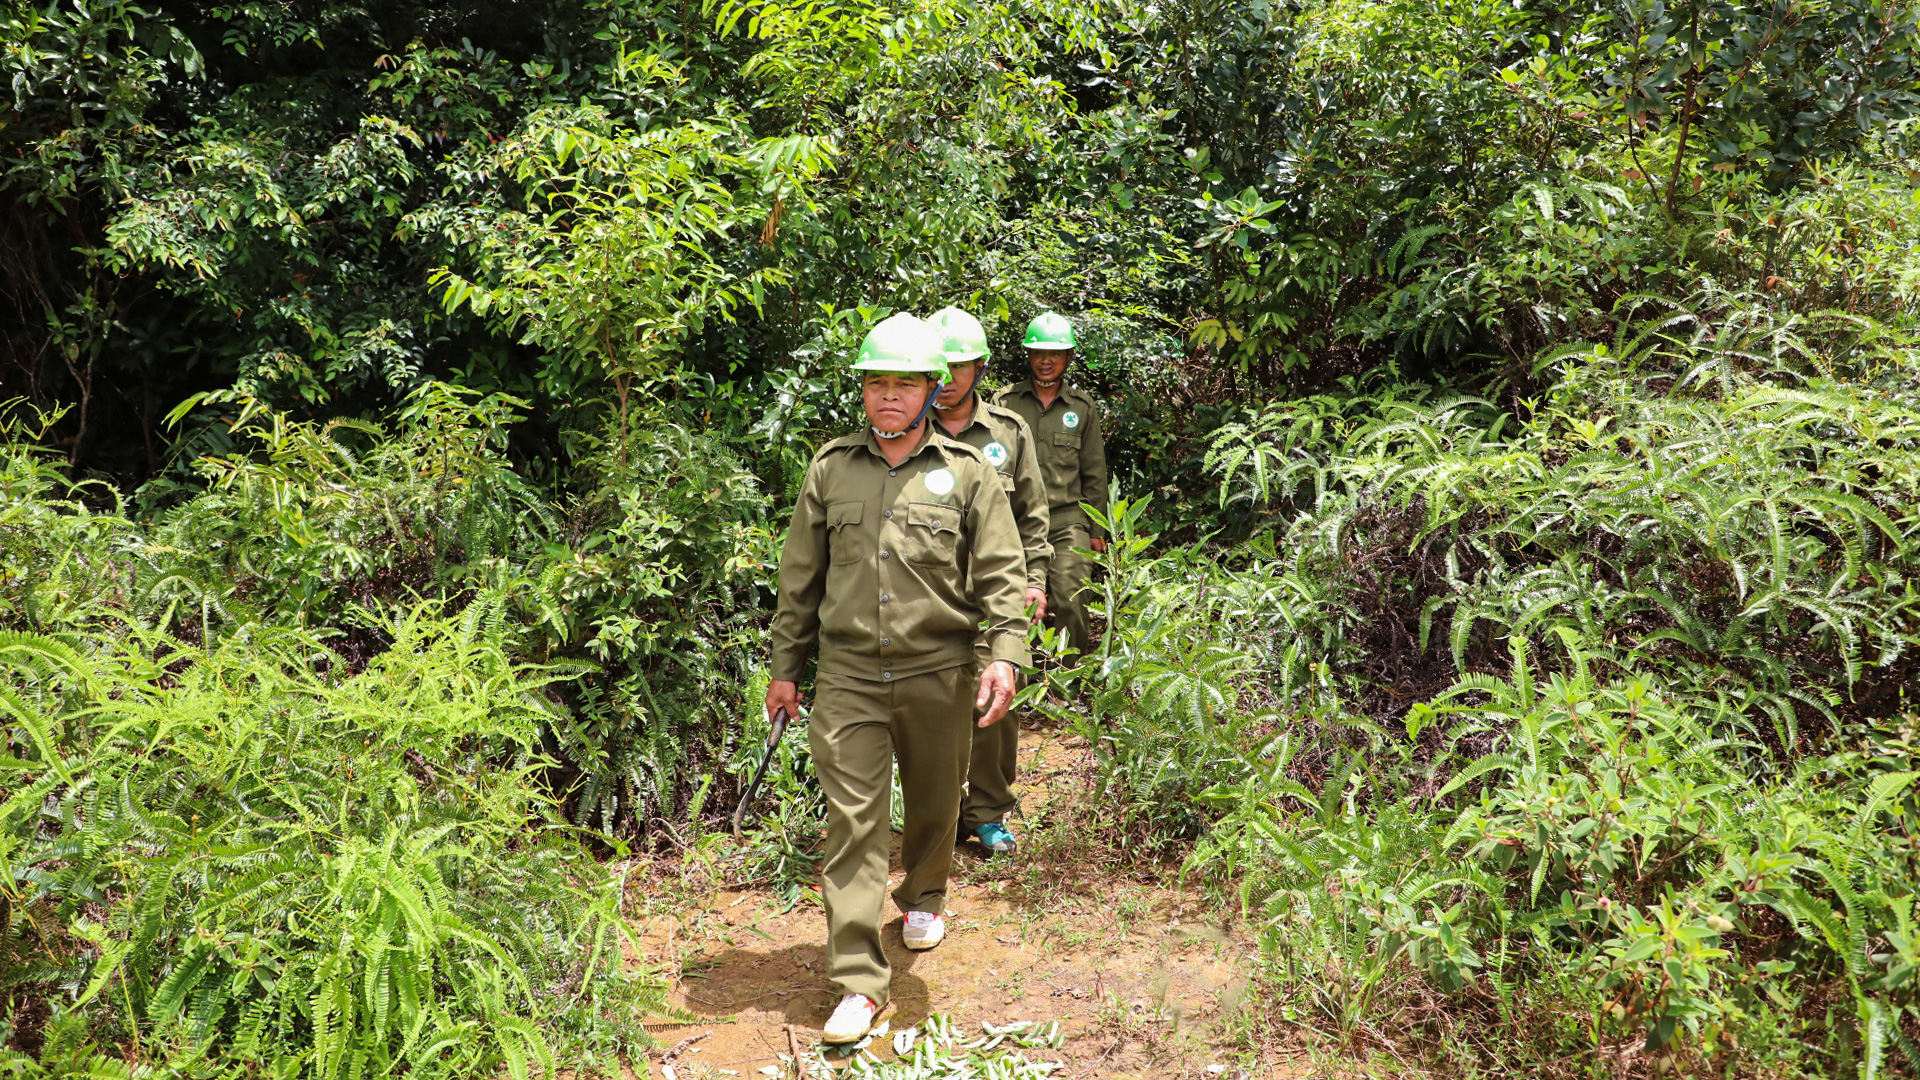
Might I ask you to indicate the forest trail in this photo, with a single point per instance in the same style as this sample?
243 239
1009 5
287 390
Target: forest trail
1144 975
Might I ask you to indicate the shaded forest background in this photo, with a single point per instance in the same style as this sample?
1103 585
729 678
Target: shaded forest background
1516 411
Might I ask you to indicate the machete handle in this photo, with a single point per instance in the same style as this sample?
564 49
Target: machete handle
759 774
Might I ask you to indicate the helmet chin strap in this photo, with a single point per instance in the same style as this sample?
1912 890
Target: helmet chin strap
932 396
977 369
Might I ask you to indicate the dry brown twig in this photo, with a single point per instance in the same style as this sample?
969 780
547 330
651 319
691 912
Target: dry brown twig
799 1062
667 1059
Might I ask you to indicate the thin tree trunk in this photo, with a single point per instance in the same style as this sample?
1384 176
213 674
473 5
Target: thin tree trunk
84 378
1686 125
1680 152
620 386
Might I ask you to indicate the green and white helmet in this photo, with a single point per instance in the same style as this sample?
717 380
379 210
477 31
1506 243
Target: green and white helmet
903 343
965 338
1049 330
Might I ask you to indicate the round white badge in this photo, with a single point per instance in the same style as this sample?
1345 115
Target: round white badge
939 481
1072 419
996 454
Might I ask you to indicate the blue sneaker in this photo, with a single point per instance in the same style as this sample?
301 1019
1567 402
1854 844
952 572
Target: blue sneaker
995 838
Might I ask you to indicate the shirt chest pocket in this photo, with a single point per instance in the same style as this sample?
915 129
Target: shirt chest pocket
932 535
1066 448
846 541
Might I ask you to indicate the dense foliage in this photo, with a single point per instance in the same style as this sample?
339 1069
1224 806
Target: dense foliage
1609 706
1516 407
242 852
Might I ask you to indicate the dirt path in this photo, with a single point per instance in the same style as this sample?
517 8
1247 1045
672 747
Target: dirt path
1143 975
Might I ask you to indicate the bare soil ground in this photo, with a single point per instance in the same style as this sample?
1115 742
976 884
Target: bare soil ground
1146 976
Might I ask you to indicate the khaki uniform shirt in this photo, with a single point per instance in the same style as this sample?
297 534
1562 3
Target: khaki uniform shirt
893 569
1073 453
1004 440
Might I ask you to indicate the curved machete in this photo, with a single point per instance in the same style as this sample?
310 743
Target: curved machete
759 774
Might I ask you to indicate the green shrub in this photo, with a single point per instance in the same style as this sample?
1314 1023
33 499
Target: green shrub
643 584
59 542
1619 846
1587 708
259 862
1613 834
339 525
1163 693
1747 524
234 842
655 577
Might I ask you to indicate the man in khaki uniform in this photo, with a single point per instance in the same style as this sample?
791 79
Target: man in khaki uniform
901 545
1003 438
1073 462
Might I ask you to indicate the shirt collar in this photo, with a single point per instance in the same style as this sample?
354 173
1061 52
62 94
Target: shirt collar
1025 386
926 439
978 419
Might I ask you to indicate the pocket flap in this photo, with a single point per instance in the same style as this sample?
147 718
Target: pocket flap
935 516
844 513
1062 438
1006 483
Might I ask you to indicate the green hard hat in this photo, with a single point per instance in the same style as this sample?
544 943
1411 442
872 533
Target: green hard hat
903 343
965 338
1049 330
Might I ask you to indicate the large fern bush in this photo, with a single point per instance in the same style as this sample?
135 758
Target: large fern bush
1571 723
1709 496
231 846
253 864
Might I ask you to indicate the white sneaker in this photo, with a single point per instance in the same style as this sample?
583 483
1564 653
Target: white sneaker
923 929
851 1020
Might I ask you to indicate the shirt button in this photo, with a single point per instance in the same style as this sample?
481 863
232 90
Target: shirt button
893 472
886 555
884 598
886 641
886 674
886 513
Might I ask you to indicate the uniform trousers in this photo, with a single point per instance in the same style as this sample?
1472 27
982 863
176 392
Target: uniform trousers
857 730
995 759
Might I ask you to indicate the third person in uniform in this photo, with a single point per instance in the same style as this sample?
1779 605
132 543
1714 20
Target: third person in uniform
1073 464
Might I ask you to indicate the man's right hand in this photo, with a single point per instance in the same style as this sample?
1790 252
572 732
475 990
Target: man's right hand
783 694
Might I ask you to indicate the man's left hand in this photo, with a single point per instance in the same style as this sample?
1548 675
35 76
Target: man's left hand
996 686
1098 544
1037 603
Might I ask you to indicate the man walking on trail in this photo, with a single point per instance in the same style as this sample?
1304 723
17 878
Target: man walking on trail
1073 462
1002 437
901 545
